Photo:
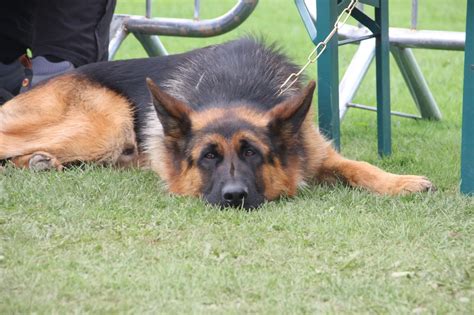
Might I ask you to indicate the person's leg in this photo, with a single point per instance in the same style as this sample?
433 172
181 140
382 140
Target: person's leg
68 34
15 37
15 28
76 30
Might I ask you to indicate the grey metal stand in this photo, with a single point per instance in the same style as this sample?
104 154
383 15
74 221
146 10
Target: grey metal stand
401 42
147 29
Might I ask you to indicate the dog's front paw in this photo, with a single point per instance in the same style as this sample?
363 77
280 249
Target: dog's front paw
44 161
407 184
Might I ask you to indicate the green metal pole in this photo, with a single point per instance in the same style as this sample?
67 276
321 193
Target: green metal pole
382 55
467 146
152 44
328 74
416 83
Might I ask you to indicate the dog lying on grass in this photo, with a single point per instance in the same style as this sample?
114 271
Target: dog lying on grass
209 122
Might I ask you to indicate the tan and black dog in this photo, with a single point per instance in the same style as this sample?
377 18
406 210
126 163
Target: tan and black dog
210 122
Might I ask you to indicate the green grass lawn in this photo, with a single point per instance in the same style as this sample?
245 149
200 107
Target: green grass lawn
98 240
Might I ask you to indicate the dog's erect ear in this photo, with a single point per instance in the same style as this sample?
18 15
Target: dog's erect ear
173 113
287 117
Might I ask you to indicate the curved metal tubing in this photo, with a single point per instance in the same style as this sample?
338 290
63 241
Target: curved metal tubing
191 28
117 35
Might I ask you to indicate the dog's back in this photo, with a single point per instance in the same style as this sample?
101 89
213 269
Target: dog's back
241 70
215 76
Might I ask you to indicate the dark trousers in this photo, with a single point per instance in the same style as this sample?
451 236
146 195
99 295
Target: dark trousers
72 30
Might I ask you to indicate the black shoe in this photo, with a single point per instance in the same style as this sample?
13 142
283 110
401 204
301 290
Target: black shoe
43 69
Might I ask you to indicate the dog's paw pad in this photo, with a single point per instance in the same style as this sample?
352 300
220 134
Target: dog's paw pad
428 186
43 162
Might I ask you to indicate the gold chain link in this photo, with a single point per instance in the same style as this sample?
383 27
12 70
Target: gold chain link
320 47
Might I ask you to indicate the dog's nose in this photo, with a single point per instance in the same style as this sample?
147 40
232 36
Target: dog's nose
233 194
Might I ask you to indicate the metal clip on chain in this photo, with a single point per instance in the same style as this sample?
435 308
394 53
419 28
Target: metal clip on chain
320 47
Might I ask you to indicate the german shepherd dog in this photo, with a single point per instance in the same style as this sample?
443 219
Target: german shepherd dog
209 122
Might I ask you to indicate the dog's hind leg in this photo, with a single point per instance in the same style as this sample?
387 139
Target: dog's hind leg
38 161
68 119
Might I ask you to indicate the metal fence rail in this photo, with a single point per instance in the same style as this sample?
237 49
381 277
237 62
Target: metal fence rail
408 38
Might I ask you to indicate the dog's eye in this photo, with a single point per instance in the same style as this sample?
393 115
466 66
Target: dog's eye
210 156
249 152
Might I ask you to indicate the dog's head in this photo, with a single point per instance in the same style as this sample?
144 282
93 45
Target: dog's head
233 155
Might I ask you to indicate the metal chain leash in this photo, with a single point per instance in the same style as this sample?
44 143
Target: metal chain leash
320 47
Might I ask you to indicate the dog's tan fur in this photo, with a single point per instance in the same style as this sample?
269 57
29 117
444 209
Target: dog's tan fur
71 119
